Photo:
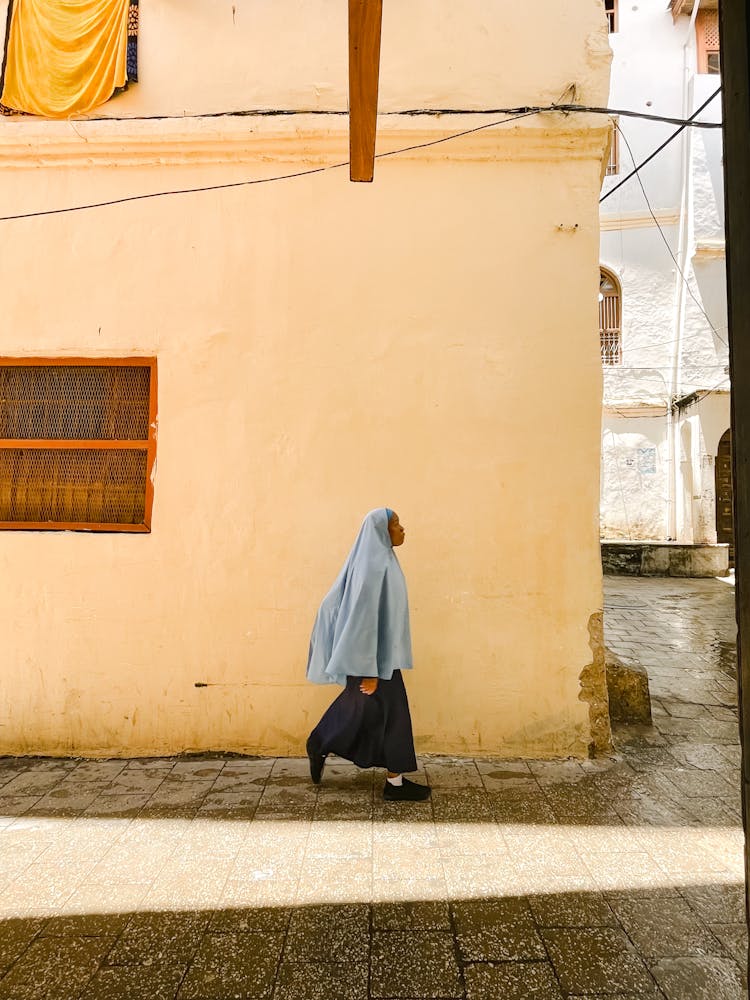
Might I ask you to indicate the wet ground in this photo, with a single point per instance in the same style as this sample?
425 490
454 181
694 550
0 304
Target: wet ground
234 878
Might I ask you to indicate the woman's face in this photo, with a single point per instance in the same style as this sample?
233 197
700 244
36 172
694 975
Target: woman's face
396 531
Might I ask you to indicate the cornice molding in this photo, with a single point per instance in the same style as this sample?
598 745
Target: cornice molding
308 140
710 250
686 6
637 220
611 409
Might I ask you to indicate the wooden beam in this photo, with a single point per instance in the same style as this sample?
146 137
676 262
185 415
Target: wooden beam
735 73
365 20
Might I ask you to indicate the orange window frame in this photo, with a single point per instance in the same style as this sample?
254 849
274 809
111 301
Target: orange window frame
148 445
707 37
613 164
610 9
610 319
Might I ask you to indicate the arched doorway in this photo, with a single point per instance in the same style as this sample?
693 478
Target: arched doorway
724 516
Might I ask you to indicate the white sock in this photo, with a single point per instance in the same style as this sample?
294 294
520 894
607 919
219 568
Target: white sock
397 781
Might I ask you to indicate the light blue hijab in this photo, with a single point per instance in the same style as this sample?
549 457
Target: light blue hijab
362 627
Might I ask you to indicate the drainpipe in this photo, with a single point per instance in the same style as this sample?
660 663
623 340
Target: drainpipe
673 435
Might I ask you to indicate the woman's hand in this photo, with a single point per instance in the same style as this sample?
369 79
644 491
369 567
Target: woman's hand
369 685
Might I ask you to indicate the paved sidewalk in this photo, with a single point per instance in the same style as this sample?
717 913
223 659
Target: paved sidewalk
235 878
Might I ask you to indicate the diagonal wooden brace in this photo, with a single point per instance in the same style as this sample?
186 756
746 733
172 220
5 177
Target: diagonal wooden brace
365 20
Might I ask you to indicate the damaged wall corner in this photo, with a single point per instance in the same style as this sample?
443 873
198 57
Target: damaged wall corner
628 690
593 680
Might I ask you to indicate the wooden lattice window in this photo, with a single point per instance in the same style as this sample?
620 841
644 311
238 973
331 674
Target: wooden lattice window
77 443
707 40
610 309
613 166
610 8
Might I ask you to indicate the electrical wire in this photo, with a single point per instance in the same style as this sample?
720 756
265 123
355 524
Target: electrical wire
699 395
656 368
702 393
257 180
636 171
689 338
164 194
413 112
632 328
455 135
666 242
514 114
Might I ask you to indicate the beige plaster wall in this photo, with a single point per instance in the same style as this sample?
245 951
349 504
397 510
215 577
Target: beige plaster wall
199 56
428 342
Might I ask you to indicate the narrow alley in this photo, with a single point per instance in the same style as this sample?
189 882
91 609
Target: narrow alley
227 877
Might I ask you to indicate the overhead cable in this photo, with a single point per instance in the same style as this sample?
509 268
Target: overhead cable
514 114
412 112
672 137
248 183
669 248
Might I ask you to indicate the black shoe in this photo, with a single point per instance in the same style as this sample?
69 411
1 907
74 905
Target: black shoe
407 791
317 763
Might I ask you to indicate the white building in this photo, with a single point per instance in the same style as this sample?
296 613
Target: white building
663 309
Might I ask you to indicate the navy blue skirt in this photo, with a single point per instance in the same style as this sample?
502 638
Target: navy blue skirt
370 730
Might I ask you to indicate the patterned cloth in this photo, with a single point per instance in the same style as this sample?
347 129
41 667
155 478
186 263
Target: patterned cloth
132 57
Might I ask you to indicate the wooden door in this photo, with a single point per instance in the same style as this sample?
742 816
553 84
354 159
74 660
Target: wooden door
724 518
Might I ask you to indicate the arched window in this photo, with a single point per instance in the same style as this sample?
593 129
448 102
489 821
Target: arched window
610 311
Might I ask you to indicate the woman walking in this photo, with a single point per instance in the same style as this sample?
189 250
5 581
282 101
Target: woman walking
361 640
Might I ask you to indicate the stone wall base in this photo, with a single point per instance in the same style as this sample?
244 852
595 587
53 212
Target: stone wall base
629 695
664 559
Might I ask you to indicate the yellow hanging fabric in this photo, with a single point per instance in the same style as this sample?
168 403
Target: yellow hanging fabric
65 57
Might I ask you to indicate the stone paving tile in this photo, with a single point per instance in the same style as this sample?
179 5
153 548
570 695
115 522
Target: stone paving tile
242 966
453 773
268 920
269 893
388 864
220 876
466 805
664 928
512 981
88 925
425 915
734 939
599 959
716 903
328 934
504 773
159 939
319 981
128 982
17 805
54 968
406 890
698 979
410 964
343 839
570 910
653 993
522 807
496 931
15 938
